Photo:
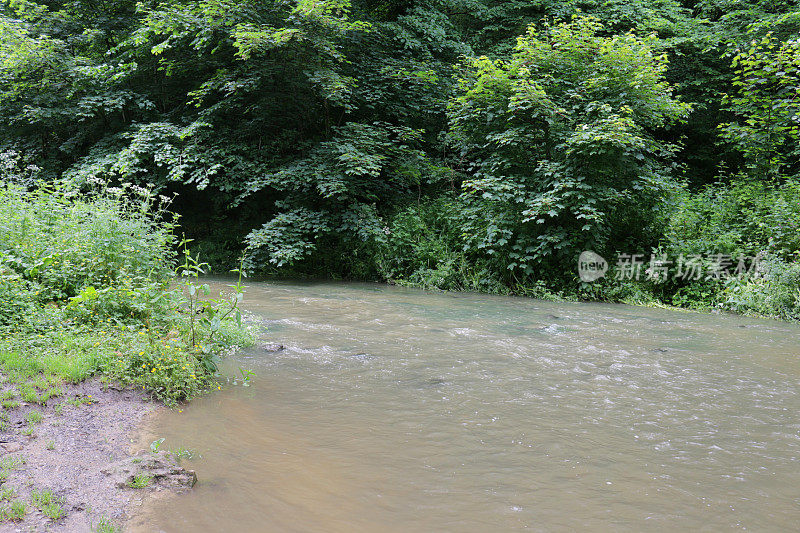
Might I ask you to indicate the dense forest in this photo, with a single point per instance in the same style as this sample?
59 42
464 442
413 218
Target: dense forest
453 144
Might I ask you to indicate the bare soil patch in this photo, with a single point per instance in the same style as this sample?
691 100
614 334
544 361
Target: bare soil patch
81 452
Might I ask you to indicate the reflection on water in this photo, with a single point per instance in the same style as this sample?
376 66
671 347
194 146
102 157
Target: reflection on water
398 410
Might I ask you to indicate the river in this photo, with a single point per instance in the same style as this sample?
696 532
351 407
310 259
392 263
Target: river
399 410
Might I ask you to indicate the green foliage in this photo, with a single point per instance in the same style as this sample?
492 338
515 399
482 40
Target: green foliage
305 103
425 247
48 504
10 462
767 106
13 512
165 367
34 417
17 299
53 511
139 481
746 217
106 525
88 287
558 144
775 292
7 494
207 316
42 497
332 138
61 246
335 190
156 444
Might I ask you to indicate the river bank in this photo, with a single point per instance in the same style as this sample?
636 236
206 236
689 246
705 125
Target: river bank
73 464
93 286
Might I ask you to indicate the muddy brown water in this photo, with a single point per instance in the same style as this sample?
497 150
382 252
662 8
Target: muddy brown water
398 410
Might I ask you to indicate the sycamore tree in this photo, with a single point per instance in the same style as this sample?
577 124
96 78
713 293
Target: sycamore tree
294 124
766 103
557 145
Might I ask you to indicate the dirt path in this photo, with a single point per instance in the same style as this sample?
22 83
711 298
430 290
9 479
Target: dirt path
80 453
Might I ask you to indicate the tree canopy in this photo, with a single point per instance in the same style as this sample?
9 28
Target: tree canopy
324 137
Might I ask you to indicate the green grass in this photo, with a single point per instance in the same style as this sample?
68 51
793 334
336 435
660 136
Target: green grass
7 494
11 462
47 503
139 481
35 367
34 417
105 525
29 394
42 497
52 392
13 512
44 500
77 401
182 453
53 511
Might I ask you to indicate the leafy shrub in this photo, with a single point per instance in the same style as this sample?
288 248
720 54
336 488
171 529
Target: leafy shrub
163 366
425 246
558 146
767 130
746 217
696 294
775 292
17 299
87 285
101 249
334 192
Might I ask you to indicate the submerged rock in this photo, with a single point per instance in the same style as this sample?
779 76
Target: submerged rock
272 347
161 472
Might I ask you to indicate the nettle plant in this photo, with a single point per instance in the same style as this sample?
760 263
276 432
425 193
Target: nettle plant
105 254
207 316
557 145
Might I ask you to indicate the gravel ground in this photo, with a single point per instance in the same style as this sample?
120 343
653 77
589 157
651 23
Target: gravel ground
75 454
